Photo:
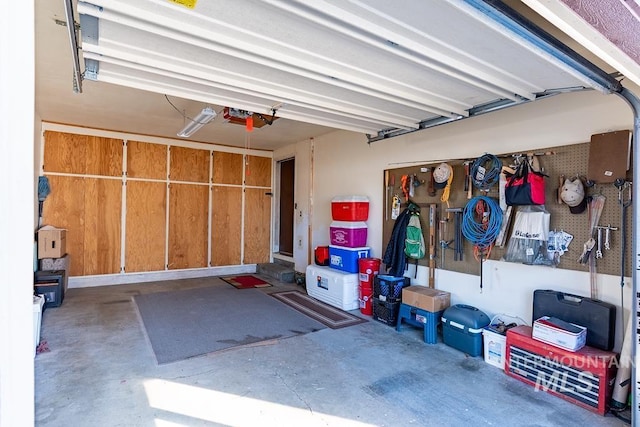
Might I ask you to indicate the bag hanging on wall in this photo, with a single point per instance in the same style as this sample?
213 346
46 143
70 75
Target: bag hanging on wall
525 186
529 237
414 247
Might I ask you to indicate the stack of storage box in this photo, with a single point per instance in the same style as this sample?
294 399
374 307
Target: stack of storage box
51 280
387 294
348 232
337 284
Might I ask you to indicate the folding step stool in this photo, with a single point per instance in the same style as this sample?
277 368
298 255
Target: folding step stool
422 319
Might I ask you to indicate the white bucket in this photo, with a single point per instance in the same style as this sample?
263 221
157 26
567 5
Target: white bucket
495 344
494 348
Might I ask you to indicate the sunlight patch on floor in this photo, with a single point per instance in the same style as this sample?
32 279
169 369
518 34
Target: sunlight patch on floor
230 409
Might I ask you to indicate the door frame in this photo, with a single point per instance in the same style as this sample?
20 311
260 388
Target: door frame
275 253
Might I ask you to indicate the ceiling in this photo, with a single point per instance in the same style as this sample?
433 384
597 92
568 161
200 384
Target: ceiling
375 67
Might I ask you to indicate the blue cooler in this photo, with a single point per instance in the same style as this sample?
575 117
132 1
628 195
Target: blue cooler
346 259
462 327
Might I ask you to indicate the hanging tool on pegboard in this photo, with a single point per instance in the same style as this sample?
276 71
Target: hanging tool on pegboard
432 245
406 187
458 241
444 243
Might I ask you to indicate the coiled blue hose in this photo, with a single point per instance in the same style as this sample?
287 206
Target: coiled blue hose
485 171
475 229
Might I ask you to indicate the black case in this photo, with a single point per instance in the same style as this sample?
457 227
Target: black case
50 283
597 316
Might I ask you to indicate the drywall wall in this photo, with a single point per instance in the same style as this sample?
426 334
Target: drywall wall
37 153
16 216
302 152
345 164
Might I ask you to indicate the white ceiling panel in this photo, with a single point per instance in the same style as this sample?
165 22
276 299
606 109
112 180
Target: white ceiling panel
287 87
371 66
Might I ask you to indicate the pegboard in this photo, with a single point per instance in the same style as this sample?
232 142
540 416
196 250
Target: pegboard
569 160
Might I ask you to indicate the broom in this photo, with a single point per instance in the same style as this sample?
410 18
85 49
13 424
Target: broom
43 192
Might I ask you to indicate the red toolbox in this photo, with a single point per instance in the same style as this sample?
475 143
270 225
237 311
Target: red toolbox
584 377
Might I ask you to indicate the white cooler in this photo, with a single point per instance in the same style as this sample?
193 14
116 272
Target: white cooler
332 286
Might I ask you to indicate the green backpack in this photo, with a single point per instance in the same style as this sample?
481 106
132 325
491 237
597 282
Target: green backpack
414 242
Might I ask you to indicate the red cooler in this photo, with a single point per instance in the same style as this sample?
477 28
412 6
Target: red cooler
368 268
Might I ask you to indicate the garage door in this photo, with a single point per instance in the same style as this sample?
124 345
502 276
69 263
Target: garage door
375 66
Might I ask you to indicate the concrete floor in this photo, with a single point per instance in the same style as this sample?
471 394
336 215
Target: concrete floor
100 371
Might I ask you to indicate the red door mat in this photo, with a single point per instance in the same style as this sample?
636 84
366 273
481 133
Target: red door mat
246 281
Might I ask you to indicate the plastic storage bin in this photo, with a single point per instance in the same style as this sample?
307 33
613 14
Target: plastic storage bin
462 327
334 287
346 259
350 208
348 234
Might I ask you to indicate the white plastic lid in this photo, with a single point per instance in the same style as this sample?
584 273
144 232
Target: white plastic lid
338 199
364 248
348 224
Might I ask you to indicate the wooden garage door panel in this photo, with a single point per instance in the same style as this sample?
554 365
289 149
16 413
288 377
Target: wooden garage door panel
188 224
145 226
227 168
226 226
258 171
64 208
65 152
257 225
104 156
146 160
103 209
189 164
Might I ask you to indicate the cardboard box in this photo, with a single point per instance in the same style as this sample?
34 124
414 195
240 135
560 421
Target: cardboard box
52 242
428 299
551 330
